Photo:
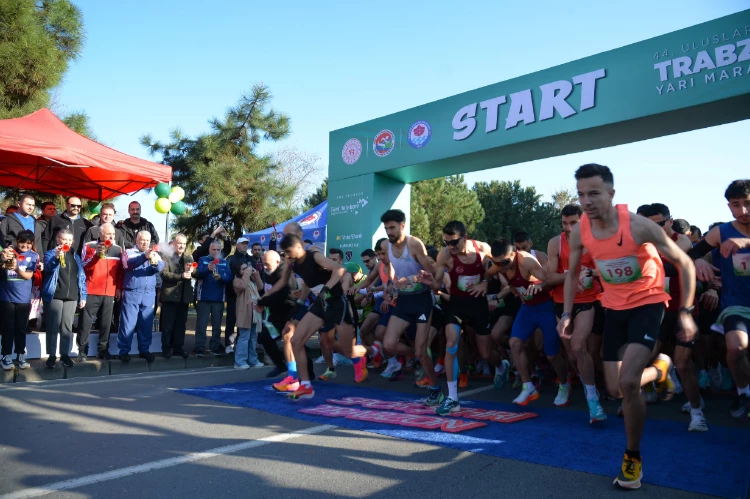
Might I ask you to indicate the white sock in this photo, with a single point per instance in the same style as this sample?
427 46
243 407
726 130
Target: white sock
745 390
306 383
529 387
591 392
501 368
453 390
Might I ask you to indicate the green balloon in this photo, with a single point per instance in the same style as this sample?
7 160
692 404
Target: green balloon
162 190
178 208
97 209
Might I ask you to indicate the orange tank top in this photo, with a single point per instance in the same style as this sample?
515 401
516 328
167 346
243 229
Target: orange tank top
588 295
632 275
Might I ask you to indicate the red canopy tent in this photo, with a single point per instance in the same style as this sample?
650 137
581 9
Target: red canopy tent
38 152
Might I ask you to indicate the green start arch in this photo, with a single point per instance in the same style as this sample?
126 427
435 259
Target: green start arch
693 78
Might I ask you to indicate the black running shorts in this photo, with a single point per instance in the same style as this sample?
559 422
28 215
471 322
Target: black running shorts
636 325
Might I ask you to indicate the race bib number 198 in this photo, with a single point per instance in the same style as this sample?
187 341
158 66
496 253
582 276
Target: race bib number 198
741 264
619 271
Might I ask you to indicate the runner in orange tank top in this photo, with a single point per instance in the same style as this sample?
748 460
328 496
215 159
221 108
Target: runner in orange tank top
625 248
587 315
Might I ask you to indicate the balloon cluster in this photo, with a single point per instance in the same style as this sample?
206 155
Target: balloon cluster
170 199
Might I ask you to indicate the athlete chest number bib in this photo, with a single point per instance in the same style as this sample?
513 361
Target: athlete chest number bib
464 281
741 264
619 271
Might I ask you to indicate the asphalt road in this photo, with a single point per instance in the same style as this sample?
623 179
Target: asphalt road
125 437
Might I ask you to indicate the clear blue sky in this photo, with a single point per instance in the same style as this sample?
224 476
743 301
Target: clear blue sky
149 67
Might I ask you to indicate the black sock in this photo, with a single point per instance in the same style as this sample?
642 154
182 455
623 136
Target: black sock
332 369
633 454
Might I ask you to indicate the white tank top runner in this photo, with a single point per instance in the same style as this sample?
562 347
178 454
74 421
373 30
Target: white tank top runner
405 266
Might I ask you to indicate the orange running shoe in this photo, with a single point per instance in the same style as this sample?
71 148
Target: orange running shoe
423 383
288 384
303 392
360 370
463 380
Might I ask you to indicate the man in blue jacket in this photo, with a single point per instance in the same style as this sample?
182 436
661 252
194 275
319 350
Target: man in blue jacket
213 275
141 264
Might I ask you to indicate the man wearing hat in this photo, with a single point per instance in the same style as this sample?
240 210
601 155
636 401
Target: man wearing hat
235 261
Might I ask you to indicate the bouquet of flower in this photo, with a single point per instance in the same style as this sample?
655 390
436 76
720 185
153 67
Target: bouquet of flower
64 249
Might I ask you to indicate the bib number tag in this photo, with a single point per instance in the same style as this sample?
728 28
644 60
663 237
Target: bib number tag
465 281
741 264
412 288
619 271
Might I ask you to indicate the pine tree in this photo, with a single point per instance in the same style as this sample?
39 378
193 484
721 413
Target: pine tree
225 181
510 208
436 202
38 39
317 197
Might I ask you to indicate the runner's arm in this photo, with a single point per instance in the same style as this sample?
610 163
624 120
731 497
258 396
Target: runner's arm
337 271
648 232
553 278
534 268
419 252
442 261
574 261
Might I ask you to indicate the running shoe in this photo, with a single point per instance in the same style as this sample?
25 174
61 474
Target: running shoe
360 371
377 360
288 384
704 380
411 363
448 406
686 407
502 379
463 380
715 374
665 387
423 383
526 396
596 411
435 398
439 369
21 360
563 395
7 363
649 394
739 407
630 474
328 375
727 383
302 392
419 372
698 422
676 380
393 367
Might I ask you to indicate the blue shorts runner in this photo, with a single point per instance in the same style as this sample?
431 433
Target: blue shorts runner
540 316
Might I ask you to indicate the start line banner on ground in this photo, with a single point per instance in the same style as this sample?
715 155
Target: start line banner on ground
537 434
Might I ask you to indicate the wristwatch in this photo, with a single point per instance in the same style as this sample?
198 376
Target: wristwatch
687 310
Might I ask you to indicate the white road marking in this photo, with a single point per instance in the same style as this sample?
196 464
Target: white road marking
157 465
36 385
475 390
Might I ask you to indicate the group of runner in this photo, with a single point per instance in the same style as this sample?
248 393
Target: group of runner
616 292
